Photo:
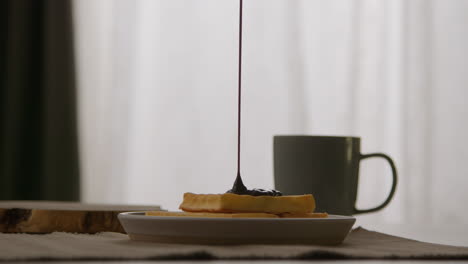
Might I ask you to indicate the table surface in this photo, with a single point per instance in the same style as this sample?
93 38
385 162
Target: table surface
253 261
456 235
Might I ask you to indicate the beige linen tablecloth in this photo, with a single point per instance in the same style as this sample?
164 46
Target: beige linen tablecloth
360 244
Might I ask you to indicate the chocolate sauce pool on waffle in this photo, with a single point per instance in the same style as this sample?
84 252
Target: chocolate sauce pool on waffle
239 187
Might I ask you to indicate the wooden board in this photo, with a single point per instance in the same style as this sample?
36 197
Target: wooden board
48 216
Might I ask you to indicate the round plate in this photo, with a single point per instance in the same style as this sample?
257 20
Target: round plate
194 230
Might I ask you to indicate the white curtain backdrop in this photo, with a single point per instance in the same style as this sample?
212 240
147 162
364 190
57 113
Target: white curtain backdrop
157 96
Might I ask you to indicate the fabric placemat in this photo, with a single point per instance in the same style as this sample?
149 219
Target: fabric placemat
360 244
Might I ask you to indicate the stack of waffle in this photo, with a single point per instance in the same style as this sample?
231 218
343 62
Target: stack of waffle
229 205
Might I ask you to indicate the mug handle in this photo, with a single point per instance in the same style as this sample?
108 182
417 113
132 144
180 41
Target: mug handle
392 191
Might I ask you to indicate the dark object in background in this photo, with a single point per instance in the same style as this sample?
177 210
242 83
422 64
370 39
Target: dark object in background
38 131
327 167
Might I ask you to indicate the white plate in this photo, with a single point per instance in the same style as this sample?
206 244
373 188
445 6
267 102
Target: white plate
196 230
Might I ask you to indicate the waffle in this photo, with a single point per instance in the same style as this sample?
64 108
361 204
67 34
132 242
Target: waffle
236 215
234 203
215 215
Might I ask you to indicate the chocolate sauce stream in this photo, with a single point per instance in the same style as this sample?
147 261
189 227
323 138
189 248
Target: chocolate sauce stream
239 96
239 187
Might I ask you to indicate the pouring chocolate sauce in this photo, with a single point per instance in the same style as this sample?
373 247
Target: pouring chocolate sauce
239 187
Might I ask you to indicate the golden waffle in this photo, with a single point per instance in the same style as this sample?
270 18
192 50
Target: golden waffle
224 215
234 203
236 215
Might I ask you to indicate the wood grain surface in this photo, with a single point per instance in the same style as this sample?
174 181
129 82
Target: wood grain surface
48 216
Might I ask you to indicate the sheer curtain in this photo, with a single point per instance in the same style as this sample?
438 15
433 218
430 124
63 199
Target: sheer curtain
157 96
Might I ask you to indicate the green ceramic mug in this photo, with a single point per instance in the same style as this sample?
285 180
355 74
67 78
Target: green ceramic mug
327 167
